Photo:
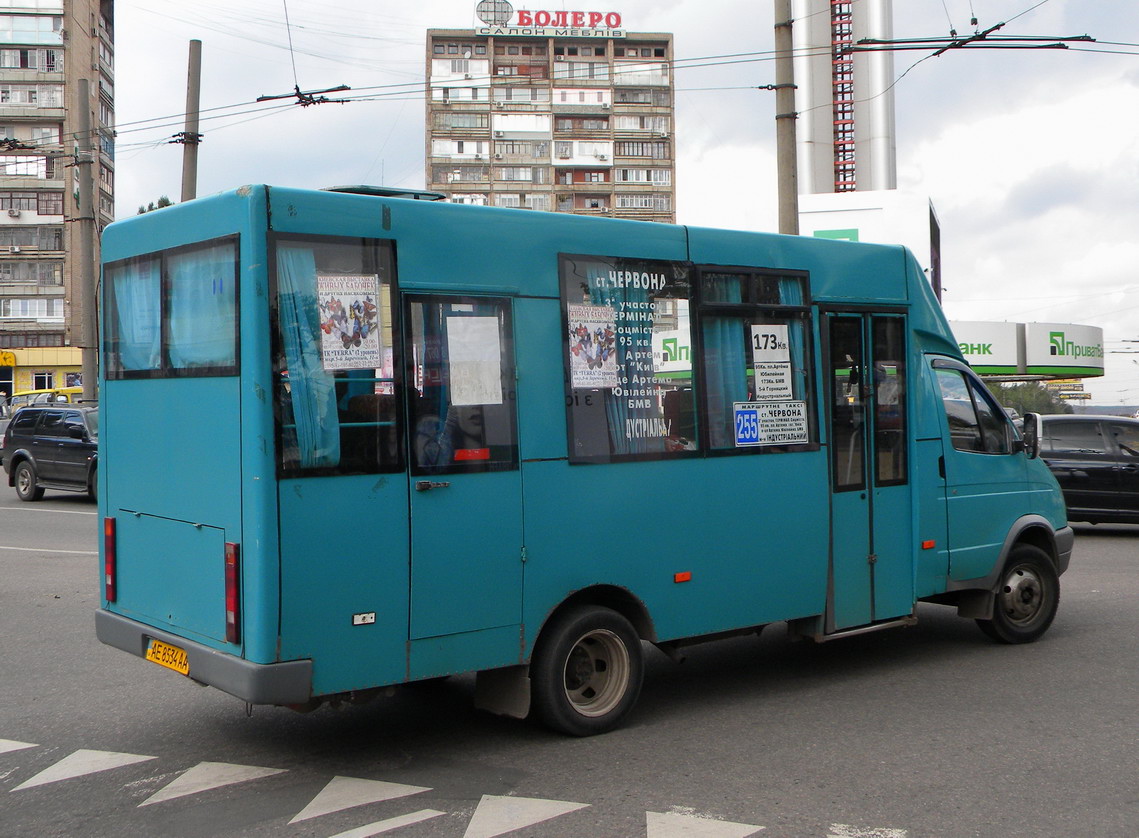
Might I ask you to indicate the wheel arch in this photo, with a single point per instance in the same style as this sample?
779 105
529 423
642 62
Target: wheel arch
14 461
614 597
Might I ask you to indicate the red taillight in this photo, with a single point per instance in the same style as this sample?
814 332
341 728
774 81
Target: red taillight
232 593
109 559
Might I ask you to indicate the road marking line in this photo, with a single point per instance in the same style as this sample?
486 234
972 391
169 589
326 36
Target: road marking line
346 792
209 775
7 745
497 815
390 824
79 764
55 511
42 550
675 825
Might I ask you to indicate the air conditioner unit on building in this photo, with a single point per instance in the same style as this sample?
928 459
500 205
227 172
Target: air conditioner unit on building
14 249
498 157
498 133
467 76
603 157
13 213
605 105
478 157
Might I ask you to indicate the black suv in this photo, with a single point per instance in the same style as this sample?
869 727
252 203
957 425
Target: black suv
1096 461
51 446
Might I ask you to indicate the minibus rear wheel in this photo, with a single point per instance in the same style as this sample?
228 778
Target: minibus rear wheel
586 671
1026 601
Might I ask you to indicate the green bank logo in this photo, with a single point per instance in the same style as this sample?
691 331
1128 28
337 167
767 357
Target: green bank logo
673 351
1060 346
975 348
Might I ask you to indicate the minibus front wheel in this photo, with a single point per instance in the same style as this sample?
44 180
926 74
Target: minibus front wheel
1026 601
586 671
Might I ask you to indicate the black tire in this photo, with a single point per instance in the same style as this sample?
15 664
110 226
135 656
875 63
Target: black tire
93 486
25 481
586 671
1025 603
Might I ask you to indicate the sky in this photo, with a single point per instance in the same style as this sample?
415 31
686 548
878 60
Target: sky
1030 157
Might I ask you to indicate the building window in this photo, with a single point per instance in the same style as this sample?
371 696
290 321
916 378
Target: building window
40 308
49 203
38 273
17 165
43 380
9 340
41 238
17 200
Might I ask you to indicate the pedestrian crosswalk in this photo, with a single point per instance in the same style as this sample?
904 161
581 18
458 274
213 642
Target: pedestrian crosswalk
493 816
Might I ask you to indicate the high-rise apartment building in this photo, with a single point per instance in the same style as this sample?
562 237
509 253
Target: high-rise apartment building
46 47
558 111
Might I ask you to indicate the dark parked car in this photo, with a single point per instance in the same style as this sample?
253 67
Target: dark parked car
1096 461
51 446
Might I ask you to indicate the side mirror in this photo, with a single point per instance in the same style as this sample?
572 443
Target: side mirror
1031 435
76 431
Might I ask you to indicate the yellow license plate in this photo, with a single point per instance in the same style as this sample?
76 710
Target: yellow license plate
169 656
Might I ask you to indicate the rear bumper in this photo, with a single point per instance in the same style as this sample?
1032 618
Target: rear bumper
289 682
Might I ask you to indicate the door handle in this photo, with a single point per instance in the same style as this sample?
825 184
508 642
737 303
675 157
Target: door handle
428 485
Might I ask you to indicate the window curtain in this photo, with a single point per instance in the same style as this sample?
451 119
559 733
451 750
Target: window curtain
203 308
137 289
725 361
791 294
311 388
617 409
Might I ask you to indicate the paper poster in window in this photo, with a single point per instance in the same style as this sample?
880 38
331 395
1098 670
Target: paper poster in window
771 362
349 322
592 346
474 358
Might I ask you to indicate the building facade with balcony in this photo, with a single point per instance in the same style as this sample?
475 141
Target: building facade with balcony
561 119
46 47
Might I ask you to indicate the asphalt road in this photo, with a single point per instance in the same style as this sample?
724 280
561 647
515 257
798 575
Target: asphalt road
926 732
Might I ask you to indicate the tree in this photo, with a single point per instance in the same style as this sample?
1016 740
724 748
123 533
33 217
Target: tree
152 206
1030 397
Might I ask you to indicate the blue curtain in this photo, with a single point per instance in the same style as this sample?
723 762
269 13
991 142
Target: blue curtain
137 291
791 294
725 361
203 308
312 388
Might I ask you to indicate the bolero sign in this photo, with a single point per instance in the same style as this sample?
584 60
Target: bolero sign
496 14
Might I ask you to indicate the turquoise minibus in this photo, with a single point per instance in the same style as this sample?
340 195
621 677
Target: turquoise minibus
352 440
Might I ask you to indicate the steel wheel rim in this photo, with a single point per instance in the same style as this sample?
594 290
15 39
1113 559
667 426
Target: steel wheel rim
1022 596
596 674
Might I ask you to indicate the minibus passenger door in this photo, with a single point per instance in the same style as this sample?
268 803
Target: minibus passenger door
871 573
466 512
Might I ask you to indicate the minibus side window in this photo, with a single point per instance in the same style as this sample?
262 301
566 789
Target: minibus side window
628 359
333 362
975 422
755 360
174 313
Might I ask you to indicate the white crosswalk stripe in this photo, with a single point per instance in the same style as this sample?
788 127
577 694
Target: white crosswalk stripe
346 792
498 815
81 763
209 775
676 825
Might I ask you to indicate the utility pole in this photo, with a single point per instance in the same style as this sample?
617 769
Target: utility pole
191 137
785 155
83 295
